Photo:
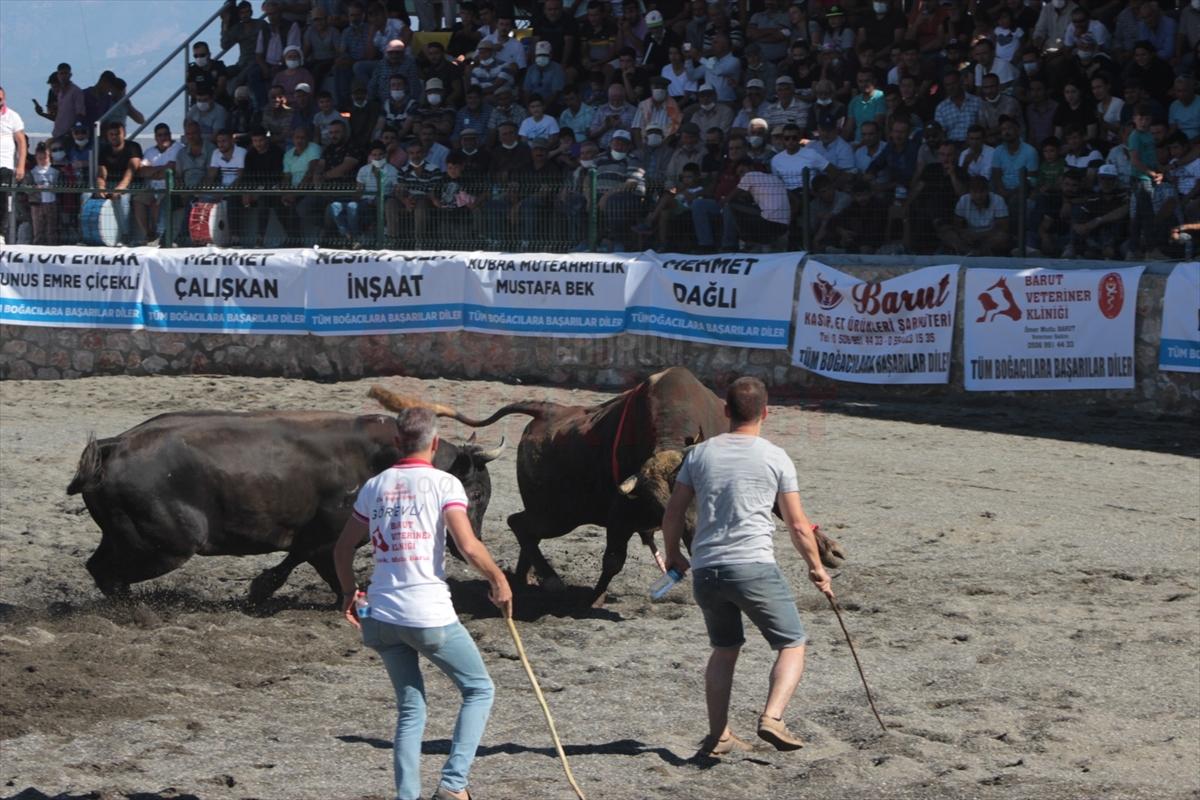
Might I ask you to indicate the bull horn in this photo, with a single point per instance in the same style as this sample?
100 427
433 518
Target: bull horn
472 437
490 455
628 485
393 401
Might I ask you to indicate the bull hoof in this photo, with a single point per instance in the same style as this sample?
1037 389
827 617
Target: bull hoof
598 602
261 588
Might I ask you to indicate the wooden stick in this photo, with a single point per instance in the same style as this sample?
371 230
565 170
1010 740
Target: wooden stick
512 628
857 663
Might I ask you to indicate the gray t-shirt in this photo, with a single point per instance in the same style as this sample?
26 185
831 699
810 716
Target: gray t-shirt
736 478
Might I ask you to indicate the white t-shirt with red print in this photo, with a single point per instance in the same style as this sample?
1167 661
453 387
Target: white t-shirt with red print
404 509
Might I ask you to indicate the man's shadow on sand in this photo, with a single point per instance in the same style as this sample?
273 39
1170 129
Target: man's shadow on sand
34 794
620 747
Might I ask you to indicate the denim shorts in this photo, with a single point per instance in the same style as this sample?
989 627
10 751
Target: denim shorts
725 592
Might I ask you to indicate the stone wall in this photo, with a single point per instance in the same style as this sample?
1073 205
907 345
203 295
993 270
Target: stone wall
613 362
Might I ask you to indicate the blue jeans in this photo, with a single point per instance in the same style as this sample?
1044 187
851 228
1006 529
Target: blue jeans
452 650
345 216
703 211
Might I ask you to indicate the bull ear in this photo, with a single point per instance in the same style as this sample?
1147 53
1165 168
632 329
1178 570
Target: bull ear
628 485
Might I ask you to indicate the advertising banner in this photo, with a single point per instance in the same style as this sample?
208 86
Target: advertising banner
225 291
384 291
72 287
1046 329
1180 348
544 294
898 330
733 299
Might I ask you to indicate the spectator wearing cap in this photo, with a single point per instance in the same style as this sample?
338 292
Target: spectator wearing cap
434 110
545 77
239 28
436 65
754 106
620 189
509 50
576 114
659 110
351 50
655 155
959 110
688 150
504 110
538 125
787 108
722 69
263 170
476 164
560 30
474 115
270 50
768 31
487 72
304 108
837 31
708 113
364 117
294 73
208 114
204 69
396 62
656 47
758 69
615 115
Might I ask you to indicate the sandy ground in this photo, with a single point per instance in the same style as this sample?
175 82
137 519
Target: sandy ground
1023 589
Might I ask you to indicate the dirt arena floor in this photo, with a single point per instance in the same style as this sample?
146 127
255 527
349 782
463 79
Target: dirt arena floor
1023 588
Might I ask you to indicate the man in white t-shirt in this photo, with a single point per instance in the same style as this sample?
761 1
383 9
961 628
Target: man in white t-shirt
767 218
228 160
980 222
790 163
735 479
13 152
405 512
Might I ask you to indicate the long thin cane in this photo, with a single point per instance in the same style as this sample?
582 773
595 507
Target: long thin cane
857 663
512 628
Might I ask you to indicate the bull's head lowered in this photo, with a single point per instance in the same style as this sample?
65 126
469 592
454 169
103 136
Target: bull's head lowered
655 480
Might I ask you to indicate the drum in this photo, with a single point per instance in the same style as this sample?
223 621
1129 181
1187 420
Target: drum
208 224
98 222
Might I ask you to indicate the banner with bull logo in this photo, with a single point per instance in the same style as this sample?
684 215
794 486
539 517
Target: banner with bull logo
1045 329
735 299
225 291
1179 350
72 287
384 291
544 294
898 330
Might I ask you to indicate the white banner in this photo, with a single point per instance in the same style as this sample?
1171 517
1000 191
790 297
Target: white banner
731 299
1046 329
544 294
226 291
1180 347
898 330
72 287
384 291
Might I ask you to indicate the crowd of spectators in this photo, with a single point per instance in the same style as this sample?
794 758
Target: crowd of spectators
951 126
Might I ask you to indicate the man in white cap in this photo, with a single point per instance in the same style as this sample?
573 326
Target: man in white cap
708 113
620 189
545 78
434 111
487 72
395 62
754 106
658 42
787 108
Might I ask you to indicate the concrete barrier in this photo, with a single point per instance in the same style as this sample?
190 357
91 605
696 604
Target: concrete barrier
613 362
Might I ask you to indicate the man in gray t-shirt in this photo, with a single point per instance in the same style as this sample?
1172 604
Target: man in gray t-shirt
736 478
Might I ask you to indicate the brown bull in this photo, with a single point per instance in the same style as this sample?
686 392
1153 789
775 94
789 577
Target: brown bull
610 465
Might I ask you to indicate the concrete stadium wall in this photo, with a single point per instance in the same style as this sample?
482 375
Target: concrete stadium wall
610 363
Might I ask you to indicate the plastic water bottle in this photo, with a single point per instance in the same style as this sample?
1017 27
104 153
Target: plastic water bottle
663 585
362 608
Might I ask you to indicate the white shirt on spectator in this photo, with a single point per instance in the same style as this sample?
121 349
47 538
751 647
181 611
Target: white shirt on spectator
981 218
10 125
153 157
511 52
839 152
542 128
1090 158
1185 176
723 75
1000 68
392 29
770 194
790 166
231 168
863 157
982 165
1095 28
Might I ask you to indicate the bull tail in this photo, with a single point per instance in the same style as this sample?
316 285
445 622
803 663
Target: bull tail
90 471
397 402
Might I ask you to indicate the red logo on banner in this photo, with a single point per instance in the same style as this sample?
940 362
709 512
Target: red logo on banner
998 301
1112 295
826 293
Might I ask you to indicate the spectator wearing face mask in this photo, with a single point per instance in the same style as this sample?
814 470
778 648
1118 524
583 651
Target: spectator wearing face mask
436 65
398 111
206 71
209 115
659 110
434 110
243 115
614 116
293 73
754 105
758 147
654 155
396 63
708 113
620 189
544 77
